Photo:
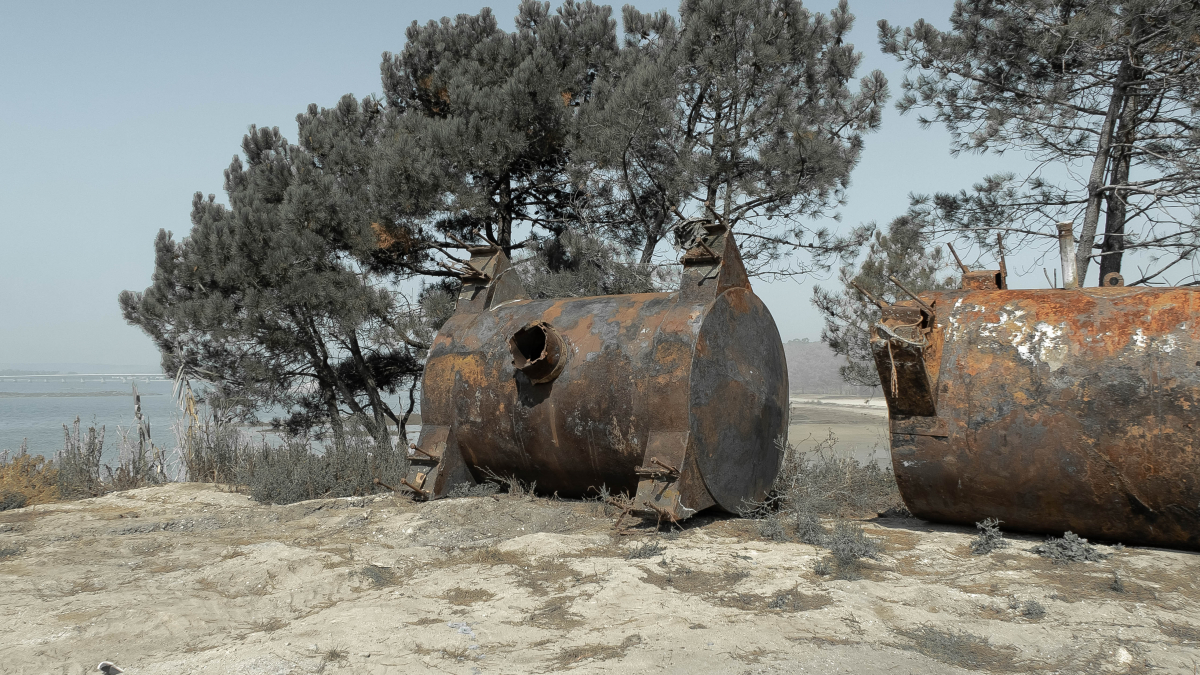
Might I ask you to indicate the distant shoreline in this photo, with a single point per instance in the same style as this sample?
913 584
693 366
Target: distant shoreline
67 394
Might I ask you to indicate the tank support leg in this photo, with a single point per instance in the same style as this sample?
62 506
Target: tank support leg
435 464
671 487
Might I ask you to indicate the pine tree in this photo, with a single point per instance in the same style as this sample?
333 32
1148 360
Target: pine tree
497 109
742 109
271 300
1110 86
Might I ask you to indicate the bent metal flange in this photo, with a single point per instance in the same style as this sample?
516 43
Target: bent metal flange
1052 410
678 399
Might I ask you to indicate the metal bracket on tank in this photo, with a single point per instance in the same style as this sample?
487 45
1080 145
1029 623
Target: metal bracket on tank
906 349
982 280
488 280
711 262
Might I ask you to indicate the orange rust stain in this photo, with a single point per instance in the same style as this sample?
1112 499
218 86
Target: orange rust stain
469 367
628 314
673 355
554 311
738 299
583 338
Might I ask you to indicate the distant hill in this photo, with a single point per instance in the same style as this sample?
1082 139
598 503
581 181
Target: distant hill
813 369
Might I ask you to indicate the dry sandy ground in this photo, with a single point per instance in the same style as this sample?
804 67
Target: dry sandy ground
189 578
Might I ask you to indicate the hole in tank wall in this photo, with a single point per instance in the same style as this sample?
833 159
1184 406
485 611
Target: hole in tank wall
538 351
529 343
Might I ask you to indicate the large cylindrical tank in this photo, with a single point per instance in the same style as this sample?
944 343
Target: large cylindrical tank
1051 410
676 398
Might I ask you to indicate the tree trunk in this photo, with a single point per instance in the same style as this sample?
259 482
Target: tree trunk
654 234
379 409
335 416
1113 246
504 236
1091 217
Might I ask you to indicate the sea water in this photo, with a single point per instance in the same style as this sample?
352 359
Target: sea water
34 409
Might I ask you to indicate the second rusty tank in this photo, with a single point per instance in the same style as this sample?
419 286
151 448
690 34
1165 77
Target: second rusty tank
677 399
1051 410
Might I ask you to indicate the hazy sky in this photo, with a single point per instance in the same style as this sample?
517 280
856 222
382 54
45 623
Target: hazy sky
115 113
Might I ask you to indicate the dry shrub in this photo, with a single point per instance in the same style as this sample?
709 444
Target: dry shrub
595 652
79 462
823 484
848 546
26 480
989 539
465 597
355 465
212 451
1069 548
645 549
140 462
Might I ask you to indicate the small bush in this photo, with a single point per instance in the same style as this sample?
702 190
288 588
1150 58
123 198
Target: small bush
12 500
213 452
989 539
139 462
646 549
898 511
961 649
510 484
1033 610
849 546
823 567
485 489
79 462
821 483
1118 584
1069 548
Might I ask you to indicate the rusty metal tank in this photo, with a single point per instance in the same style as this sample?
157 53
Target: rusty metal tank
1052 410
675 398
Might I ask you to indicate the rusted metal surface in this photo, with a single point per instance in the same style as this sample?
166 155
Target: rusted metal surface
1052 410
675 398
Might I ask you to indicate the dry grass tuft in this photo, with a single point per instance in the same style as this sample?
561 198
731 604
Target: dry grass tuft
962 649
595 652
465 597
719 588
821 482
491 555
1180 632
379 576
556 614
334 655
267 625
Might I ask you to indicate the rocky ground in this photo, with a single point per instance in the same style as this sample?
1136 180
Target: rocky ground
190 578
